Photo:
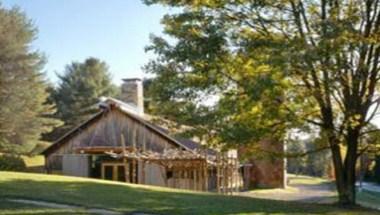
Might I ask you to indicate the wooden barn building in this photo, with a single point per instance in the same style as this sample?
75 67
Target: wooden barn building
121 143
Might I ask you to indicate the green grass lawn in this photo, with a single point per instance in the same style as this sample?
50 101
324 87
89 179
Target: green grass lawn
307 180
129 198
368 198
8 208
365 198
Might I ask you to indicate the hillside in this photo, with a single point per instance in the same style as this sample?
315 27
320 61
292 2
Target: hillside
128 198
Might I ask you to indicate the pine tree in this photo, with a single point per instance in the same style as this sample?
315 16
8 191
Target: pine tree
79 90
24 111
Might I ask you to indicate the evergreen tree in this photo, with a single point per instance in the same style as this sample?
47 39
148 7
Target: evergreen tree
79 90
24 111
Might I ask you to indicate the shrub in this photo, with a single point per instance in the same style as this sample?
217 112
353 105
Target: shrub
12 163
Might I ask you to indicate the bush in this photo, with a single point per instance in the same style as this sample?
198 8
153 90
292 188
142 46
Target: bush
12 163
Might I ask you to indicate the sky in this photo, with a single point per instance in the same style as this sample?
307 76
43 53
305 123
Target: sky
115 31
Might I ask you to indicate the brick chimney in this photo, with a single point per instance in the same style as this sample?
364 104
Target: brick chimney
132 93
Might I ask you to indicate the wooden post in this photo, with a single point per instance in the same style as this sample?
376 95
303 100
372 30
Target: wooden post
144 140
230 174
142 172
134 135
134 171
221 174
114 172
195 179
206 173
125 162
102 171
218 173
126 169
186 177
165 177
202 177
234 181
127 165
225 175
237 172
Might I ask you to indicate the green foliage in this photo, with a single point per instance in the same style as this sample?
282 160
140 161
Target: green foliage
225 97
312 164
24 111
10 162
79 90
274 66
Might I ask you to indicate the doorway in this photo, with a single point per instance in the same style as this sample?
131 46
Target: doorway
113 171
116 171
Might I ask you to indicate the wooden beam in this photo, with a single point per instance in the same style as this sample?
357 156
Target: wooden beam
126 169
134 175
100 149
114 172
218 173
142 172
195 179
102 171
206 171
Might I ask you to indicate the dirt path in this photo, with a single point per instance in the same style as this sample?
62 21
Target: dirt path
300 188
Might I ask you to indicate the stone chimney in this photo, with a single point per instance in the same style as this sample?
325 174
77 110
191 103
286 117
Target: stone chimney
132 93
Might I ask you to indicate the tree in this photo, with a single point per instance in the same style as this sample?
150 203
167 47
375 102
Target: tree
276 66
78 91
313 164
376 171
24 111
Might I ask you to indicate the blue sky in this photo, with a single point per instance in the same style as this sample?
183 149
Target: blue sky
115 31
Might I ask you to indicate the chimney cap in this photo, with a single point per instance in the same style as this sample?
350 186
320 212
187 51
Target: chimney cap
131 79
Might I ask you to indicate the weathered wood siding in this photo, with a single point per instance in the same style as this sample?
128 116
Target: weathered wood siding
76 165
107 132
154 174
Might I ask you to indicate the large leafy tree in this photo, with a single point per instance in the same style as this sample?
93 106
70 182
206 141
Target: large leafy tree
78 92
24 111
275 66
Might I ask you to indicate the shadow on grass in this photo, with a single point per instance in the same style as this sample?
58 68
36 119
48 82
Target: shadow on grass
35 169
12 208
129 199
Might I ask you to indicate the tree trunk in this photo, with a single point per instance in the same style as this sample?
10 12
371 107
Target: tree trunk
345 172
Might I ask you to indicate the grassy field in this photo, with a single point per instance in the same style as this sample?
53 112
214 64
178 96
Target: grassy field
294 180
131 198
364 197
8 208
307 180
369 199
